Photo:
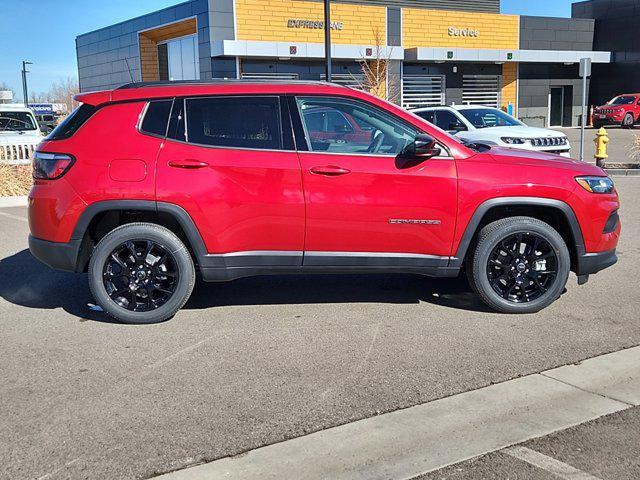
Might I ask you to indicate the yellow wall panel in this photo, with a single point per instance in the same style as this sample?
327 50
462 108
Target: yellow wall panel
267 20
510 86
430 28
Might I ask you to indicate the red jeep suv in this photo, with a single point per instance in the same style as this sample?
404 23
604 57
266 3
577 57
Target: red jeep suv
145 186
623 110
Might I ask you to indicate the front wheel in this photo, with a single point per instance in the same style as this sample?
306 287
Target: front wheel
520 265
627 122
141 273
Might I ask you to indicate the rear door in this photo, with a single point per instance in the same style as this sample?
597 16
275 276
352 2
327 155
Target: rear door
228 162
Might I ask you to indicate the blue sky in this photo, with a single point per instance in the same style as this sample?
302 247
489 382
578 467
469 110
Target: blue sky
44 31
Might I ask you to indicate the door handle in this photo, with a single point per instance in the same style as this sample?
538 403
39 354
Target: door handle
329 170
189 163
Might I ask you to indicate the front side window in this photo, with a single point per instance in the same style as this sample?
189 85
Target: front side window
17 121
339 125
428 115
489 117
241 122
449 121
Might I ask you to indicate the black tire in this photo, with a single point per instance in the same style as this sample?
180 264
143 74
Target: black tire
487 280
627 121
597 125
171 282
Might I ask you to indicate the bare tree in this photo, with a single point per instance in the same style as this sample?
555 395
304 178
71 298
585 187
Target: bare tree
63 91
376 71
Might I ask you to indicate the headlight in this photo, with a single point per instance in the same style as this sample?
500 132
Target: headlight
513 140
596 184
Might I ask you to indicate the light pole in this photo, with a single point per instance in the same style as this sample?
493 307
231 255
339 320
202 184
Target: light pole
327 39
24 82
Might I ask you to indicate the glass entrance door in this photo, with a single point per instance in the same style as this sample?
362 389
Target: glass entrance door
182 58
556 106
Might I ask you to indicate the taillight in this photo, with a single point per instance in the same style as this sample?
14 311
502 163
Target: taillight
49 166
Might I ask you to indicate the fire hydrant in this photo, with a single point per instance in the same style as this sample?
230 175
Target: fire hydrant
601 141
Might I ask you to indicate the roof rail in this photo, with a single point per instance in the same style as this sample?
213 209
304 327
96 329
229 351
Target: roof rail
169 83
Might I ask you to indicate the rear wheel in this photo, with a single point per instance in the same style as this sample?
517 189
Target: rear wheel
627 122
141 273
520 265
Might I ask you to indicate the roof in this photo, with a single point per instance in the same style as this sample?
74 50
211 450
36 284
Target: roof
16 107
452 107
149 90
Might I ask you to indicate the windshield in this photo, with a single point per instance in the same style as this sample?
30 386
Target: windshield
17 121
623 100
489 117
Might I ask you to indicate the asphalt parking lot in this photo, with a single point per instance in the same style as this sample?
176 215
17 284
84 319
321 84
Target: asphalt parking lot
261 360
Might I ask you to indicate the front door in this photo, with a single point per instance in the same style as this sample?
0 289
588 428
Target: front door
365 205
556 106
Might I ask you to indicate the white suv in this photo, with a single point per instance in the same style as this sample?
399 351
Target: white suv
491 126
19 134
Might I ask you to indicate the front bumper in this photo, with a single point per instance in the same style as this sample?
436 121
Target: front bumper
608 119
590 263
59 256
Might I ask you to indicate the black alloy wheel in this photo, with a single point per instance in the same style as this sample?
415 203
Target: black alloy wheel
519 265
522 267
140 275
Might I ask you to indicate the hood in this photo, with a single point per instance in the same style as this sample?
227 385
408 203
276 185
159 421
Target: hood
18 138
513 156
521 131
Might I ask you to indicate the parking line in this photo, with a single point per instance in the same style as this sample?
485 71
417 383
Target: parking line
549 464
410 442
15 217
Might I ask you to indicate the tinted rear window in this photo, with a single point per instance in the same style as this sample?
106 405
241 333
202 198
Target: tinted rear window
242 122
156 117
73 122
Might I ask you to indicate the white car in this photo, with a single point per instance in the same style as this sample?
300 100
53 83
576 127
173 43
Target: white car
19 134
490 126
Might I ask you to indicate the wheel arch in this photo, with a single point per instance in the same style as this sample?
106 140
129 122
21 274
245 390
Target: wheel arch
101 217
556 212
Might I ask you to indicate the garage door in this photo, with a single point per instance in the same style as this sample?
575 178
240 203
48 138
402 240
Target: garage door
352 80
422 90
481 90
269 76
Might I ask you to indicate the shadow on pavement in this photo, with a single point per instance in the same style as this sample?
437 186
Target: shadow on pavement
26 282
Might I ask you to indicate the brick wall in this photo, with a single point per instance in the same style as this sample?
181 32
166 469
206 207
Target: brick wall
267 20
429 28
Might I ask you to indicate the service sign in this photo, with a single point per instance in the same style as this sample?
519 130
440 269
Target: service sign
313 24
463 32
6 95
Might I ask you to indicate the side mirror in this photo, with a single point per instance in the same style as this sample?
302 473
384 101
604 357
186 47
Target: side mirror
424 146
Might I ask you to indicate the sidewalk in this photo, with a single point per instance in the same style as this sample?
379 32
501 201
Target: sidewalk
410 442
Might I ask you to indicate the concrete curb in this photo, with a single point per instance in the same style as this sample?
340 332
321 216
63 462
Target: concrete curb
18 201
410 442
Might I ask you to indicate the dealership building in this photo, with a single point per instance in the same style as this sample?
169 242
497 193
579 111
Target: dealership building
439 51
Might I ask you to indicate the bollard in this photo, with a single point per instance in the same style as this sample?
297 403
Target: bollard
601 141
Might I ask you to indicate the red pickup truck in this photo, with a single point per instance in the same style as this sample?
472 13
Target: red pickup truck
623 110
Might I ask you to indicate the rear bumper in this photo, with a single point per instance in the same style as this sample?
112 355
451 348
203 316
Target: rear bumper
60 256
590 263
